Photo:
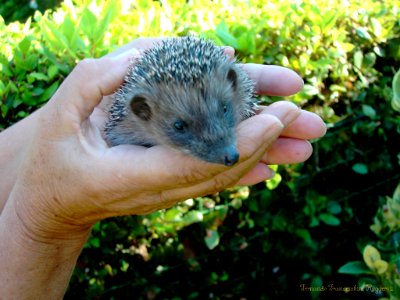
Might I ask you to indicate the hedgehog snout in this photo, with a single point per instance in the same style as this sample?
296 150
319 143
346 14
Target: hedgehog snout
230 156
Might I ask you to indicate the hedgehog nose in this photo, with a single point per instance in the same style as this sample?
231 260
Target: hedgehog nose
231 156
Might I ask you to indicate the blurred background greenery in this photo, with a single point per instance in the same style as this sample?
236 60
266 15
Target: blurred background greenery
325 229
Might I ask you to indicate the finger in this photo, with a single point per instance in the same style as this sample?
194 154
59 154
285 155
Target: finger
283 151
229 51
274 80
287 151
259 173
306 126
286 111
84 88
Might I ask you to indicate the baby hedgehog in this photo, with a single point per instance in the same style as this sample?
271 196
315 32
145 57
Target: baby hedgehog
185 93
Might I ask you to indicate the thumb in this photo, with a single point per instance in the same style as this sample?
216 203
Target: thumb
87 84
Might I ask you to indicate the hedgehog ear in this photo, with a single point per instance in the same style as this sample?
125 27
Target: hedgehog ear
140 107
232 77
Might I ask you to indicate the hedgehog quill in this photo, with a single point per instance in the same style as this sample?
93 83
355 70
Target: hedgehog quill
185 93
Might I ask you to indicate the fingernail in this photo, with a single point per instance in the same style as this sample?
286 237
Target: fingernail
291 115
271 173
286 111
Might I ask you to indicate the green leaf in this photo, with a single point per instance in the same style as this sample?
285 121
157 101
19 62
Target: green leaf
247 42
329 21
56 38
2 88
111 11
310 90
334 207
354 268
69 29
358 59
124 266
5 70
368 111
212 239
376 27
306 236
37 91
360 168
379 51
49 92
225 36
38 76
24 45
94 242
236 203
88 22
274 181
363 33
329 219
369 59
396 91
173 214
192 216
52 71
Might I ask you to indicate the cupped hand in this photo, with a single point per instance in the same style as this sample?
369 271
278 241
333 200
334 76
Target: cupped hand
71 178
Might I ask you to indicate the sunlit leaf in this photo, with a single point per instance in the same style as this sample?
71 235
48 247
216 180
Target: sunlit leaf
381 266
358 59
226 37
363 32
371 255
274 181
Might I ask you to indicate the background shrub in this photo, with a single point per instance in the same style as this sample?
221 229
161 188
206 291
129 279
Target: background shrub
306 229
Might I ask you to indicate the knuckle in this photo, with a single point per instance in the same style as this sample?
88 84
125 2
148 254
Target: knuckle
90 66
86 65
222 181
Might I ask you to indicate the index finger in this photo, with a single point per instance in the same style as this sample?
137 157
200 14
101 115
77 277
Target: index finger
274 80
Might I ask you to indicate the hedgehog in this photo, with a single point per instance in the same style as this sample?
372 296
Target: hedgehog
184 93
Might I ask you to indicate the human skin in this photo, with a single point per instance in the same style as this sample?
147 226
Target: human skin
59 176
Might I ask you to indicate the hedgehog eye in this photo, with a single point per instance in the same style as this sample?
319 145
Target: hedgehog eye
225 108
180 125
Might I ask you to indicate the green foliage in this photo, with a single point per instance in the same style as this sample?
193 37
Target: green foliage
387 228
300 227
396 91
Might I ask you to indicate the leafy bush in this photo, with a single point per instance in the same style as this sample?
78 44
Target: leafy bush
284 238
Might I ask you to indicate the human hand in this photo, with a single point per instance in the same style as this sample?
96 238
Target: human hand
71 178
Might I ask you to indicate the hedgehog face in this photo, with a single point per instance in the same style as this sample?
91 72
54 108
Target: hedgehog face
198 120
208 134
210 137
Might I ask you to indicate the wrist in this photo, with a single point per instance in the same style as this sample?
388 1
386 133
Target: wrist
38 223
44 257
14 142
